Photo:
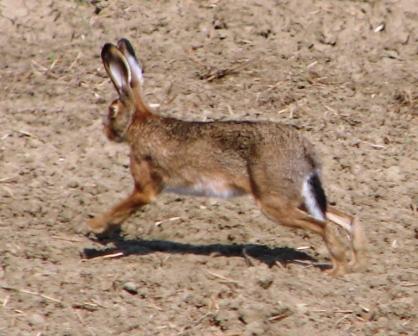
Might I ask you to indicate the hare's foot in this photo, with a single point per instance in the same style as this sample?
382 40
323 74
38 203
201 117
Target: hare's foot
119 213
337 269
98 224
358 263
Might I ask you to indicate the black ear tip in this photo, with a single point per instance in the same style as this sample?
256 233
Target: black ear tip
107 47
124 44
123 40
106 50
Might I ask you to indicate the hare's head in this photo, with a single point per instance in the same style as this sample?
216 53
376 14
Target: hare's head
125 72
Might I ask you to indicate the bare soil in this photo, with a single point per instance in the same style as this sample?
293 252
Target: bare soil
344 72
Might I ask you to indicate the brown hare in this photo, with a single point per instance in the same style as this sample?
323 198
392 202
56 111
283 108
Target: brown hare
271 161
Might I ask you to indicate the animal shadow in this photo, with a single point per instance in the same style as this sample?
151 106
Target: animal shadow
270 256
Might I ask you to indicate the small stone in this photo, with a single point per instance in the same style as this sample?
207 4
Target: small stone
394 174
131 287
255 328
36 319
251 312
73 184
391 54
219 24
302 308
227 319
265 280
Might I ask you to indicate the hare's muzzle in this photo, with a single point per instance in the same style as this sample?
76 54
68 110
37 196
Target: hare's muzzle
105 121
108 130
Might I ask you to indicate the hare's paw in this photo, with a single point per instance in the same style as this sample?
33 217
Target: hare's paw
337 270
358 264
98 225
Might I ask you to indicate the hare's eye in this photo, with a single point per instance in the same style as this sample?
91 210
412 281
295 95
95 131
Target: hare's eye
113 111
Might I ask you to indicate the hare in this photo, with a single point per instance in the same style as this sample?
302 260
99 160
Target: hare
271 161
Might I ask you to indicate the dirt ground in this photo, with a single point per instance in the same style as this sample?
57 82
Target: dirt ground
344 72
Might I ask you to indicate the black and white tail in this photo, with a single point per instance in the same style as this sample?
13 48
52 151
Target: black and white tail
314 196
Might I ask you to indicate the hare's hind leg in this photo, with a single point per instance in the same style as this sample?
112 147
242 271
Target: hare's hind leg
285 213
358 239
146 189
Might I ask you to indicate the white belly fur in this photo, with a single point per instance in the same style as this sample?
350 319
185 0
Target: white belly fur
206 188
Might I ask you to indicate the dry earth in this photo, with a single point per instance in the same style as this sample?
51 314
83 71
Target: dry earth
344 72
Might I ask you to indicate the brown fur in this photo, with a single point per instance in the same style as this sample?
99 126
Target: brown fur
269 160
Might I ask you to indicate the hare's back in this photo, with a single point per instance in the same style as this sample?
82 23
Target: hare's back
265 142
233 144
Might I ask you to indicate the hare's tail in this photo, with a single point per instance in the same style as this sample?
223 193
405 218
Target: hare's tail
315 200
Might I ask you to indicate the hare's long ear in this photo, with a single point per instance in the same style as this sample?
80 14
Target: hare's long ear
136 69
117 68
137 78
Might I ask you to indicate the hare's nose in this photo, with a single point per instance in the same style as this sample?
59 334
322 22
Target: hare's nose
105 120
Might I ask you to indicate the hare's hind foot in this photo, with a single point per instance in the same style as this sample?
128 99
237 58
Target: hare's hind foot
338 269
357 265
358 261
282 212
358 241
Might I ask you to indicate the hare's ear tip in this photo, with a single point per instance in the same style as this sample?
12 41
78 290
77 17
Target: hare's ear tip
124 44
107 46
123 40
107 49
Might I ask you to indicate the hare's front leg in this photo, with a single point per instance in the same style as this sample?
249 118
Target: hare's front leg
146 189
120 212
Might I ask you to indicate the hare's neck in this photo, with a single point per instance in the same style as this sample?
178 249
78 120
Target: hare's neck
131 132
136 129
